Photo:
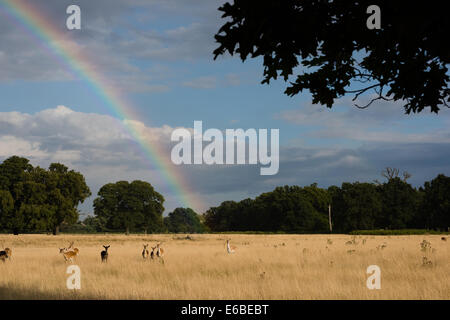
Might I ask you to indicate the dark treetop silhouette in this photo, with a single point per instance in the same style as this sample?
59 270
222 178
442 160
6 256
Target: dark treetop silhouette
405 60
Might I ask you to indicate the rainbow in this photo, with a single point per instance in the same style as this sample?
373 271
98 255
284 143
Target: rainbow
28 17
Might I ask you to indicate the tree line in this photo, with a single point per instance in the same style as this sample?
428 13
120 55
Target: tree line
394 204
33 199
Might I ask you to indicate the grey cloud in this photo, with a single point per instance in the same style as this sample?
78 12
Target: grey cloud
382 122
103 151
112 42
201 83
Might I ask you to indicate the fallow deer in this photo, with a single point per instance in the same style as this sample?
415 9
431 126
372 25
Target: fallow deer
5 254
69 255
230 248
104 254
145 252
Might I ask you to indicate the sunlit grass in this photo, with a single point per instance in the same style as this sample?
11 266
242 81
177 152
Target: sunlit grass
264 267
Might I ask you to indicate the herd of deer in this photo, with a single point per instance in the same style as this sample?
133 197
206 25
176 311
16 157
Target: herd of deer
157 252
70 253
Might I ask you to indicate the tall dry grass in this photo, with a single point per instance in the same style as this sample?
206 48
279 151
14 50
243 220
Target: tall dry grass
264 267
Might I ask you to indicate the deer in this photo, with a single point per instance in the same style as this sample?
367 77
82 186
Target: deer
230 248
104 253
145 252
74 249
5 254
68 255
158 252
152 254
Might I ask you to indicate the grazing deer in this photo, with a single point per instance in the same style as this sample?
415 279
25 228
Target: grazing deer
68 255
230 248
145 252
5 254
104 254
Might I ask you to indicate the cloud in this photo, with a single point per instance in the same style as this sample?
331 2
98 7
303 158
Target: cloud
201 83
382 122
103 149
117 38
212 82
97 145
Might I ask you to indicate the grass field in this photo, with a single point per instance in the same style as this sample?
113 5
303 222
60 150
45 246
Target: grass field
263 267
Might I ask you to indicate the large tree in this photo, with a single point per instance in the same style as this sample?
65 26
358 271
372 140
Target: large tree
67 189
338 54
37 207
183 220
223 217
355 206
130 206
35 199
436 203
287 209
14 175
400 204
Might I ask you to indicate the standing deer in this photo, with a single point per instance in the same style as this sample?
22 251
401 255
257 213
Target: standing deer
104 254
145 252
152 254
230 248
159 252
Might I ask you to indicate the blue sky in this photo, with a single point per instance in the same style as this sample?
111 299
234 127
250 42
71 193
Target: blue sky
160 54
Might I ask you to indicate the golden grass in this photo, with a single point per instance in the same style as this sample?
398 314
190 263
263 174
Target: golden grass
264 267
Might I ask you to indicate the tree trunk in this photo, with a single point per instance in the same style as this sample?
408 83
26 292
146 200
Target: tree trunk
56 231
127 231
329 218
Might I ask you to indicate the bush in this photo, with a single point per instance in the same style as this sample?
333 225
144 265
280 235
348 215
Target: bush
396 232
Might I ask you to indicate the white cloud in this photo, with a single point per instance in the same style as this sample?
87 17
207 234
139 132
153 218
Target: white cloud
99 146
381 122
103 149
10 145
